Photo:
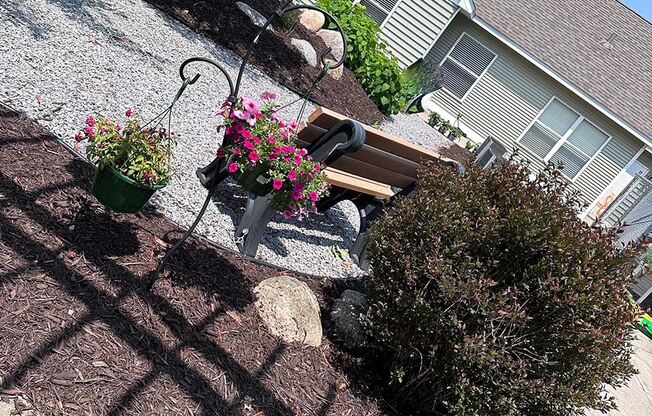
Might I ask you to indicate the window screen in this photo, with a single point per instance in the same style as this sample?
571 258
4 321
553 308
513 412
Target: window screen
562 135
379 9
464 64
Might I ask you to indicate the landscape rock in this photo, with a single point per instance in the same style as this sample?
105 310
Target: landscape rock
312 20
289 309
346 314
256 18
333 40
306 49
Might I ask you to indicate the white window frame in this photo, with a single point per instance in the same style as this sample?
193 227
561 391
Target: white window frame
564 138
478 77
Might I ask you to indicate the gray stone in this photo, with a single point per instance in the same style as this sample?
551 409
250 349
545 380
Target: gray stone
256 18
312 20
346 314
289 309
333 40
306 49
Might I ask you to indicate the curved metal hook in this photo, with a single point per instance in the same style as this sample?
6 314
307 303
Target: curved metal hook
278 15
194 79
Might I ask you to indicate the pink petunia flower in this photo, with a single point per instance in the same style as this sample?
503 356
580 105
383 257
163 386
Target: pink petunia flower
251 119
239 128
297 196
278 184
249 145
298 159
293 125
246 134
271 140
239 114
90 121
256 139
118 127
250 106
292 175
287 215
268 96
89 131
229 130
254 156
220 154
129 112
233 167
303 152
237 151
79 136
314 196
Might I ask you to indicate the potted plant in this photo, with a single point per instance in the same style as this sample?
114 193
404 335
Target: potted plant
133 161
435 120
264 158
445 127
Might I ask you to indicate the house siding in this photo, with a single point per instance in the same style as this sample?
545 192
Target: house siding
509 97
413 26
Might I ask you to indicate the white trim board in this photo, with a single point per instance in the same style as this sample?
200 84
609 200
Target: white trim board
565 82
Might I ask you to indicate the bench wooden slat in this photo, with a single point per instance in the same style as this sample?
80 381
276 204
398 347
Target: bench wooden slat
309 133
358 184
326 119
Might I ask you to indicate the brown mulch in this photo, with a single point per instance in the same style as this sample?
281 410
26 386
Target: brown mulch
222 21
80 335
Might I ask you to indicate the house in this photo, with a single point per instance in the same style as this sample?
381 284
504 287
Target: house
558 80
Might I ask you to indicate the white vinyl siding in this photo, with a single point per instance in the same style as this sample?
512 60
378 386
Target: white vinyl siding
560 134
466 62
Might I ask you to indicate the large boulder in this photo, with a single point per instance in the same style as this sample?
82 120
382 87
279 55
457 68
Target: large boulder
346 314
312 20
333 40
306 50
289 309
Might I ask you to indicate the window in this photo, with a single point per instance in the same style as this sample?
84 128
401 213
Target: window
464 65
379 9
490 151
560 134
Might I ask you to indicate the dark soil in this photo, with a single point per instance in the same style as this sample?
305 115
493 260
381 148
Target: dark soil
222 21
80 335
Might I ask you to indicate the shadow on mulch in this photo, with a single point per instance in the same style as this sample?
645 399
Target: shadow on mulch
80 335
223 22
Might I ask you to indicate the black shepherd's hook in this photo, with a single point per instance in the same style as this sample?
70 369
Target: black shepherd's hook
211 175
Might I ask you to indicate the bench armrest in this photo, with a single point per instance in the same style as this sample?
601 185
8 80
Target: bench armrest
347 136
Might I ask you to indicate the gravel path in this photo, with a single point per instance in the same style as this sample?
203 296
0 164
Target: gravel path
415 129
63 59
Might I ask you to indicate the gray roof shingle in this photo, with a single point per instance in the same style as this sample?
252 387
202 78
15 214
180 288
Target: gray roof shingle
568 37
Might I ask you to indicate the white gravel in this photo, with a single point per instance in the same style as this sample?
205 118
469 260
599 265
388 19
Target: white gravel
415 129
63 59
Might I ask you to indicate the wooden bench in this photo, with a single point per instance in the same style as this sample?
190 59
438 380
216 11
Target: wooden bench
385 167
370 175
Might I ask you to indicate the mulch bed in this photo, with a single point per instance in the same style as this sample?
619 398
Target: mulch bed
222 21
80 335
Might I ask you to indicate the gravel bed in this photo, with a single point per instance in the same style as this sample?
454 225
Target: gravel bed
415 129
63 59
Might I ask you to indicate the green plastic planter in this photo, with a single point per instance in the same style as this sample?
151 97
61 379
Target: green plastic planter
256 180
121 193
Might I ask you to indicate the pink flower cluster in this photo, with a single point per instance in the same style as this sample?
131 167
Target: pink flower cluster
254 134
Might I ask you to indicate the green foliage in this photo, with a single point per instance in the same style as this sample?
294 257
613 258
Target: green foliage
143 154
367 56
490 297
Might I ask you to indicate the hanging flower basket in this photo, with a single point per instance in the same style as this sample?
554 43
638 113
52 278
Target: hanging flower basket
121 193
256 180
263 156
133 161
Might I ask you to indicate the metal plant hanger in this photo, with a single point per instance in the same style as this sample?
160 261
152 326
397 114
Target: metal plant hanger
210 176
